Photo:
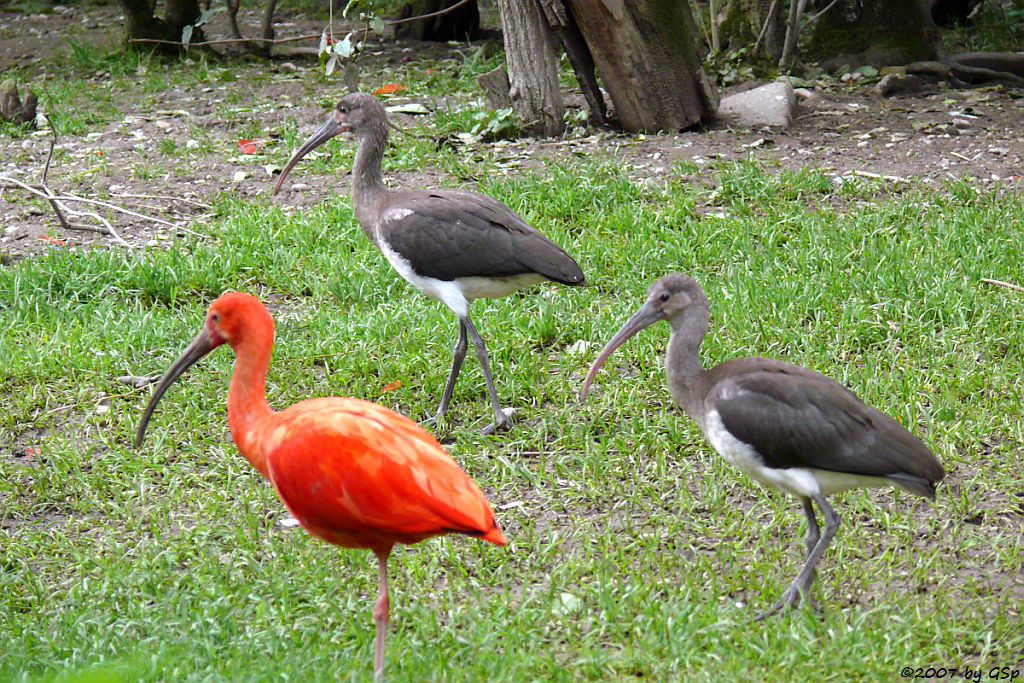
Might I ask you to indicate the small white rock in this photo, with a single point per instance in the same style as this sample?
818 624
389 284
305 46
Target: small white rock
578 347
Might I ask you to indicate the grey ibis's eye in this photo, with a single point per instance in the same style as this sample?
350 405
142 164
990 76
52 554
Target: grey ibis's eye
342 109
664 297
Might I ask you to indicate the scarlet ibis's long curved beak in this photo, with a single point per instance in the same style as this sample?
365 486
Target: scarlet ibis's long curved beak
200 346
647 315
328 130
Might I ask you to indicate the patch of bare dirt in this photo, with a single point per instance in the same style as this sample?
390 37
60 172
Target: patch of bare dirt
166 154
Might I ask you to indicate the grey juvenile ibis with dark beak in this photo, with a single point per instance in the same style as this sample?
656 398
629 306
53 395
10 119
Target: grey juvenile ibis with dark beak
786 426
452 245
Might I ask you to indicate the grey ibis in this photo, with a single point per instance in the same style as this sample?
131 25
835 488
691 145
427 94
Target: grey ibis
786 426
453 245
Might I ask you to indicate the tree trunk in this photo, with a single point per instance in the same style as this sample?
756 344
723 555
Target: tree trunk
876 32
268 28
564 25
530 51
646 54
796 9
143 24
181 13
755 22
462 23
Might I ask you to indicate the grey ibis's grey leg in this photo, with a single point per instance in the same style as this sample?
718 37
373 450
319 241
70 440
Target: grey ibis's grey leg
801 585
813 533
501 420
458 355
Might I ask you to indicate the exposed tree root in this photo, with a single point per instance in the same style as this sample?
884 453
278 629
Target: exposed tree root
974 68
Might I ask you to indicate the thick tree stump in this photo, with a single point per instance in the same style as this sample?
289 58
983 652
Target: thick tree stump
15 109
462 23
646 54
875 32
530 52
495 85
142 23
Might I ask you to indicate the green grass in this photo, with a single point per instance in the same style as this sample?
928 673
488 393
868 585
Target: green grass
635 550
997 27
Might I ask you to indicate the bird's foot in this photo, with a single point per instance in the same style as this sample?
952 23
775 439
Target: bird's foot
439 421
503 425
807 601
789 599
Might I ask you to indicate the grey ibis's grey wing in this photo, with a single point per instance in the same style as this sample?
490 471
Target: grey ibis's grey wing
448 234
795 417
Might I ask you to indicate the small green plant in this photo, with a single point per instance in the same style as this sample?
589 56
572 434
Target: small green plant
496 124
94 58
731 68
997 27
29 7
481 123
576 120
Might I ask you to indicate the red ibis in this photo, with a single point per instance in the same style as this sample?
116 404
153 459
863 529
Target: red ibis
452 245
787 427
353 473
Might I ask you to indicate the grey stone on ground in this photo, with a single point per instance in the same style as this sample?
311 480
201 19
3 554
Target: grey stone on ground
770 105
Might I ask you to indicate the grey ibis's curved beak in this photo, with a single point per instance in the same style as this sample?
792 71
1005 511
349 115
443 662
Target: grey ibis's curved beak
200 346
648 314
328 130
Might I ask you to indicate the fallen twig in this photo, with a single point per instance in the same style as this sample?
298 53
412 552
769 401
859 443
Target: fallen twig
55 199
60 209
224 41
438 13
115 207
97 401
106 224
879 176
160 196
86 228
138 381
1000 283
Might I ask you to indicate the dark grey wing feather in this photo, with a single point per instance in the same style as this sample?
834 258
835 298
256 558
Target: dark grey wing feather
795 417
450 234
